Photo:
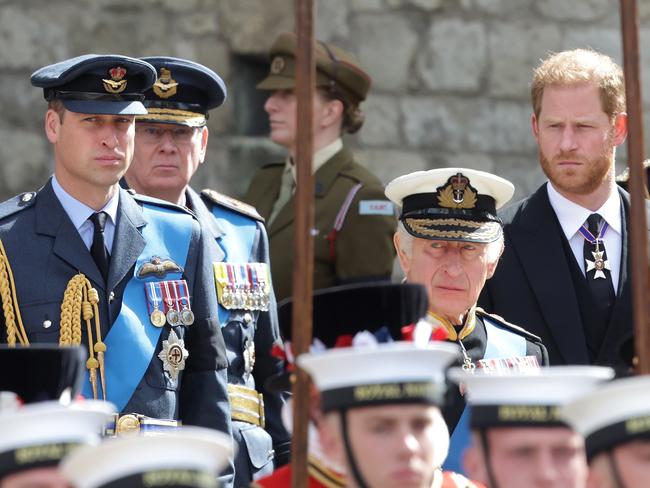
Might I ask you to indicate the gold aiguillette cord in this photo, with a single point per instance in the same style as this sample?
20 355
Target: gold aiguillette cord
80 299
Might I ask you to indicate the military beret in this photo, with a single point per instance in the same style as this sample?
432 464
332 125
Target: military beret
97 84
184 457
523 398
42 372
336 69
455 204
183 93
615 414
392 373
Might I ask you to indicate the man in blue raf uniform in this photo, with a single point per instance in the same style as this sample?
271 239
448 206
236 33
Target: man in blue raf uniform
85 262
171 143
449 240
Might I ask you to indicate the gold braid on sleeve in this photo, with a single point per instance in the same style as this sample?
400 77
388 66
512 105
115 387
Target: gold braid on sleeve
80 300
10 309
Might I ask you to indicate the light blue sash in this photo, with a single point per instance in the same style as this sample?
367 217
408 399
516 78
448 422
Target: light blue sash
132 339
236 242
501 343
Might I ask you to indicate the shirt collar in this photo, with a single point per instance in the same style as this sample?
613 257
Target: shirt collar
321 156
79 212
571 215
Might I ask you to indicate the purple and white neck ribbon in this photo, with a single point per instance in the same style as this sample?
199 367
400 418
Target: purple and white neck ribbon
595 240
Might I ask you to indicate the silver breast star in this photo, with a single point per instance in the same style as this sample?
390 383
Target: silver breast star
598 264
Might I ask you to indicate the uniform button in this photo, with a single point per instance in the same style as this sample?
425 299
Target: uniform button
47 324
111 297
27 197
248 318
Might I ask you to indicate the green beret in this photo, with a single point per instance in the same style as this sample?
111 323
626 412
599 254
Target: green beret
335 68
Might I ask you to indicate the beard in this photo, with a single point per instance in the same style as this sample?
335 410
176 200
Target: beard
581 180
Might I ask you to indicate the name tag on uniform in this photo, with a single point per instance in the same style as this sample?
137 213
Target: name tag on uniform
376 207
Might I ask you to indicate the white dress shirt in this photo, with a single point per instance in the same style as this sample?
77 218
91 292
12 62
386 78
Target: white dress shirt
572 216
79 213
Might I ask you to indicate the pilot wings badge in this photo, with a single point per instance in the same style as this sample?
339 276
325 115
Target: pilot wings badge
159 267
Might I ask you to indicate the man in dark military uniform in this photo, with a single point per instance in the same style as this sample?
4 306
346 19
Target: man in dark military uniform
518 437
85 262
615 422
353 220
171 143
449 239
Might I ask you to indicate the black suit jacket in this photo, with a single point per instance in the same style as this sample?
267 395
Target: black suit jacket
532 285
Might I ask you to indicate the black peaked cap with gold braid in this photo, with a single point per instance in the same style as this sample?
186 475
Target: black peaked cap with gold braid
183 93
97 84
452 204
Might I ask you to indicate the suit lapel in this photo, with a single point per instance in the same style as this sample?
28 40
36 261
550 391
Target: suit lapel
129 222
537 240
52 220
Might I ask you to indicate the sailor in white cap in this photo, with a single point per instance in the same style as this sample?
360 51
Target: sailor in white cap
36 437
518 439
381 413
449 239
184 457
615 422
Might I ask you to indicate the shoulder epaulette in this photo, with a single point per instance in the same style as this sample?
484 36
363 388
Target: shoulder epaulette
17 203
232 204
160 203
507 325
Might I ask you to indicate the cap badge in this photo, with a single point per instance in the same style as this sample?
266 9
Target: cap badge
165 86
117 83
277 65
173 355
457 193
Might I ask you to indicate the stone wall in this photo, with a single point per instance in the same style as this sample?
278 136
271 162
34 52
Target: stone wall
450 76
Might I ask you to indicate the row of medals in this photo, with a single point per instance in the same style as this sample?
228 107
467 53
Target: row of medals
245 298
173 317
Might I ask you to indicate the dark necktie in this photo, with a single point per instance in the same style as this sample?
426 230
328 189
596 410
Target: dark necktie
598 274
98 248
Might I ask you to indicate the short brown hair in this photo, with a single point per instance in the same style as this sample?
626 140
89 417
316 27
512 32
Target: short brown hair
581 66
57 106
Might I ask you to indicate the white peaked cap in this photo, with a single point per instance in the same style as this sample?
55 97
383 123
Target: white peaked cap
133 461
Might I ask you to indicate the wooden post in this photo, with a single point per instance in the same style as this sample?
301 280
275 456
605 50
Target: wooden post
303 250
636 185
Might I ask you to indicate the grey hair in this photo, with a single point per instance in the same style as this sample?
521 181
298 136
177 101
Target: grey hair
494 249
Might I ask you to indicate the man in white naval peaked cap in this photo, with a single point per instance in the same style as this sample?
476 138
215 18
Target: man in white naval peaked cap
615 422
518 438
449 239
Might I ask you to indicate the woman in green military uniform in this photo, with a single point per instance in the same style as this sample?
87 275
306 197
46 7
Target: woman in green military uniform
353 219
